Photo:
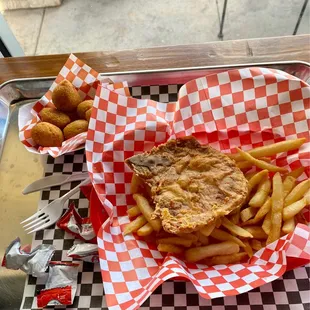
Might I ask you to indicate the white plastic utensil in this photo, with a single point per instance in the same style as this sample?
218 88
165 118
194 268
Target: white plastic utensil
54 180
51 213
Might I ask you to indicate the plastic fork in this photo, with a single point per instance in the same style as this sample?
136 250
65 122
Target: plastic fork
51 213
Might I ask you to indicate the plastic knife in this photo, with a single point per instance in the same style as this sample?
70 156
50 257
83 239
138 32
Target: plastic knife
54 180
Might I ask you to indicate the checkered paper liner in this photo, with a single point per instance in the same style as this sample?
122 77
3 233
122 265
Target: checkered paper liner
85 80
248 107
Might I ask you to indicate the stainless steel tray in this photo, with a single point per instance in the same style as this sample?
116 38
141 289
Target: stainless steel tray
18 92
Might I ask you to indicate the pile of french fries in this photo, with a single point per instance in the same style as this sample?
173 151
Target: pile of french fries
273 208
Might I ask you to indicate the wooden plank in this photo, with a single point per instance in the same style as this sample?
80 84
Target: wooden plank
27 4
213 53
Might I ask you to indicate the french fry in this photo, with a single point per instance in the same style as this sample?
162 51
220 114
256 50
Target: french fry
289 225
226 259
192 237
272 149
169 248
297 172
222 235
145 230
234 156
225 248
288 185
249 175
248 248
246 164
247 213
176 241
256 244
257 232
260 163
136 182
276 208
235 218
207 230
235 229
261 195
147 211
256 178
203 239
267 223
134 211
297 192
135 225
293 209
218 222
260 214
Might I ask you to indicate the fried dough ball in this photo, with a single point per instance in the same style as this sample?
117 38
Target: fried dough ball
75 128
83 107
87 114
46 134
65 97
55 117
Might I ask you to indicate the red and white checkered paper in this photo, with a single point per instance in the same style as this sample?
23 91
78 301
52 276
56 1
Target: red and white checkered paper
85 80
248 108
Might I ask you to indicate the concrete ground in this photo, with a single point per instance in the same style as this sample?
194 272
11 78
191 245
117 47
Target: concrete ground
93 25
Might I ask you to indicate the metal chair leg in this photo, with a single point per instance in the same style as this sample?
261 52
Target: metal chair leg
300 16
220 35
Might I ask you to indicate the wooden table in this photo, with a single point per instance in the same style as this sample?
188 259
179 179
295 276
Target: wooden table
205 54
15 158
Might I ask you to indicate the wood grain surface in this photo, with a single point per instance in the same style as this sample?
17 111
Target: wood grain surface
212 53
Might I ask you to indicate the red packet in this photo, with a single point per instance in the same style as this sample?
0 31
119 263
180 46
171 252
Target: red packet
61 285
247 107
74 224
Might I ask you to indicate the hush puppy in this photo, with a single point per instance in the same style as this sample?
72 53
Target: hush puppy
65 97
55 117
46 134
75 128
83 107
87 114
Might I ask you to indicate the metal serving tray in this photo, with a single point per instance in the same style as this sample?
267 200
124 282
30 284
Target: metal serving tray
14 176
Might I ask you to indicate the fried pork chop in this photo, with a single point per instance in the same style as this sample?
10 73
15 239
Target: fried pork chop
191 184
